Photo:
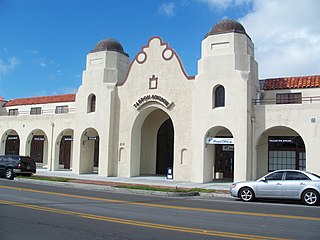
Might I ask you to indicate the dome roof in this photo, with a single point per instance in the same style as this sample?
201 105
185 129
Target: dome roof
109 44
226 26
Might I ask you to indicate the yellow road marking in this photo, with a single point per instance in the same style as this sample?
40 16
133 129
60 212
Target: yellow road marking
139 223
168 206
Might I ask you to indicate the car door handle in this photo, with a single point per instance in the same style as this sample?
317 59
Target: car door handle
278 184
302 184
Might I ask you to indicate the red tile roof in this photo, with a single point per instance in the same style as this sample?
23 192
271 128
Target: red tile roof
292 82
41 100
2 99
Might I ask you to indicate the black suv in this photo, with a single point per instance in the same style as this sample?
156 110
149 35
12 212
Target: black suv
11 165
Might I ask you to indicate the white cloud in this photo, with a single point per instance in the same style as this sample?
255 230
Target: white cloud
10 64
66 90
42 63
32 51
220 4
224 4
167 9
286 34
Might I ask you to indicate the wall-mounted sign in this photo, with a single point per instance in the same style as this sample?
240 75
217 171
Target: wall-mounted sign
92 138
219 140
280 140
12 138
152 98
228 148
38 139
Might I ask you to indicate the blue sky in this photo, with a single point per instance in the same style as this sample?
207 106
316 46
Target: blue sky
44 43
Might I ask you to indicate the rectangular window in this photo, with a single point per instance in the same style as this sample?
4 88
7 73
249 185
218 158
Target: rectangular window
288 98
13 112
35 111
62 109
282 160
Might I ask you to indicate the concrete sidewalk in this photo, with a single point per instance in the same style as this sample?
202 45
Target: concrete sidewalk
160 181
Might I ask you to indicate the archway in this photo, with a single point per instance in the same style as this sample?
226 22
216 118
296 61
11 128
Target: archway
219 153
37 147
280 148
89 154
156 144
12 142
64 149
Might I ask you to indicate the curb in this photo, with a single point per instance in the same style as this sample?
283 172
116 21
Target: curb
111 186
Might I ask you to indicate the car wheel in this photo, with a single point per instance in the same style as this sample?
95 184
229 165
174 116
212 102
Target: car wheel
310 197
9 174
246 194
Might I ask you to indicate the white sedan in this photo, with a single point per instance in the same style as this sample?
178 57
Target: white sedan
280 184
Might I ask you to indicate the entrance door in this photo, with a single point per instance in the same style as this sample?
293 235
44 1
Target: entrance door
96 152
224 160
12 145
65 151
36 151
164 147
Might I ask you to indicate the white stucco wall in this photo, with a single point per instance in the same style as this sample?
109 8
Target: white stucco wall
48 124
133 100
227 60
103 70
174 86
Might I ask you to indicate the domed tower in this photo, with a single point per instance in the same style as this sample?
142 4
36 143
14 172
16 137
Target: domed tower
225 86
227 37
109 56
109 44
107 64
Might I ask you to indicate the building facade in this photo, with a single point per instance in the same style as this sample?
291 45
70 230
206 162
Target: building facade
142 117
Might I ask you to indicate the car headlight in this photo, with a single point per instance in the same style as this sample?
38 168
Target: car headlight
233 185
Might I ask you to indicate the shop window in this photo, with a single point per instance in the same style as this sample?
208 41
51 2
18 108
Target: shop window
302 161
219 97
13 112
288 98
62 109
35 111
286 153
92 103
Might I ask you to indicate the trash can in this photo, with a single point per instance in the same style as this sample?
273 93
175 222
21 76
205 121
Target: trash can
170 173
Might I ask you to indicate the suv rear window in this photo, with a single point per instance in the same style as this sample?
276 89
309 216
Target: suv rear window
26 160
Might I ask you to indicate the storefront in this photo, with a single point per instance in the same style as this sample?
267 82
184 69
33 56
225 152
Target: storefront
12 145
286 153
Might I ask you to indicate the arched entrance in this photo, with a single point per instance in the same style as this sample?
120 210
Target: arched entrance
156 144
65 149
37 144
280 148
219 153
89 154
12 143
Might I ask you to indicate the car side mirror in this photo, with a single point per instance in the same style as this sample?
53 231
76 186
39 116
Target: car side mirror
264 180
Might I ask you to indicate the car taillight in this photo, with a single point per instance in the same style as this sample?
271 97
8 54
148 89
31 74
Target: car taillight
19 166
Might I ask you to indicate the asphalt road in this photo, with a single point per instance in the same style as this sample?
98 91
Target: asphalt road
34 211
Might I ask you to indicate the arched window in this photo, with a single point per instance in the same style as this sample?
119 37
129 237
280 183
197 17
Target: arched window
92 103
219 97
